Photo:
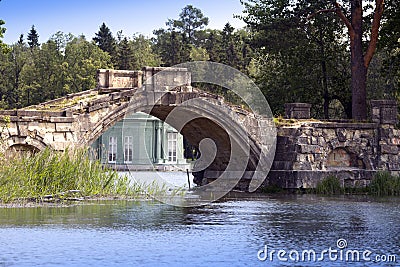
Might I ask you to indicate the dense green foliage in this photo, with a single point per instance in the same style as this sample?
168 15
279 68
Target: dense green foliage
134 53
291 56
54 173
33 74
301 59
385 184
2 31
382 184
329 186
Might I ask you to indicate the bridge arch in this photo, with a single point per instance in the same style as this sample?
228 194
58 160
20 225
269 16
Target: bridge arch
206 119
25 144
243 139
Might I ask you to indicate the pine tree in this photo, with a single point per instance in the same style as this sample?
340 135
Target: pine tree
231 56
171 47
214 45
33 38
104 40
190 20
124 55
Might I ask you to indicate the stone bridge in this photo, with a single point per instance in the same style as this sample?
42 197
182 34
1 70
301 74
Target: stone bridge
77 120
229 137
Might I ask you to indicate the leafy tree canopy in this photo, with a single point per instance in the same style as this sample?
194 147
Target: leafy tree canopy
191 19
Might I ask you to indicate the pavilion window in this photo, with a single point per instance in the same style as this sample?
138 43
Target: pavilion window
172 146
128 149
112 149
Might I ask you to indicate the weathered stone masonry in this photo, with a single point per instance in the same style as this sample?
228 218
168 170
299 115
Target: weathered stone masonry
308 151
79 119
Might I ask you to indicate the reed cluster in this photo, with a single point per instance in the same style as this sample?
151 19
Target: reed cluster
34 176
329 186
384 184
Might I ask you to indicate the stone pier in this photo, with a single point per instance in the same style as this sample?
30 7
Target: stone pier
309 150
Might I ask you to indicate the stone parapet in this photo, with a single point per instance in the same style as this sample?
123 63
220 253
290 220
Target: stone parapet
321 146
108 80
309 150
297 111
384 111
175 79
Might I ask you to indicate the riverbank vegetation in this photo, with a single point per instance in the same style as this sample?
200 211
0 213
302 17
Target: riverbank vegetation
330 186
385 184
54 176
51 176
382 184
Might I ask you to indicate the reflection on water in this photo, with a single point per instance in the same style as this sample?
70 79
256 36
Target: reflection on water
227 233
171 180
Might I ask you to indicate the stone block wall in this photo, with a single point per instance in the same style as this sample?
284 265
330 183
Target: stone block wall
108 80
297 110
165 79
384 112
35 130
308 151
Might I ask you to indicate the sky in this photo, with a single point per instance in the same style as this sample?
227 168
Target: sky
85 16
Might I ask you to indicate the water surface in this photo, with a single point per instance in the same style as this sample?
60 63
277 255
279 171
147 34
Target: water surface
228 233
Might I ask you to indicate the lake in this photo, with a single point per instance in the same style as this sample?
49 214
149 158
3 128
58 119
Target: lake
231 232
241 230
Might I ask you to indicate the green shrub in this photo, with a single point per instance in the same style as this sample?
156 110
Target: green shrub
384 184
272 189
329 186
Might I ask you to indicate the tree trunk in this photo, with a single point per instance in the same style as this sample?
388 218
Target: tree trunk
358 68
359 91
324 78
359 61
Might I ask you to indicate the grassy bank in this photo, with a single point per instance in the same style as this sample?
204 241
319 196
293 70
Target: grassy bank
383 184
51 174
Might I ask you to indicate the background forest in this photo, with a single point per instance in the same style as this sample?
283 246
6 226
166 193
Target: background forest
296 51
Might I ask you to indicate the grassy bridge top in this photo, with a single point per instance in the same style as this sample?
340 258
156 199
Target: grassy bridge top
87 101
120 86
67 102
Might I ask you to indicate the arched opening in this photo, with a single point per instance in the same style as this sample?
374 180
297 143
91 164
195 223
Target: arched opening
24 145
205 122
198 117
341 158
22 149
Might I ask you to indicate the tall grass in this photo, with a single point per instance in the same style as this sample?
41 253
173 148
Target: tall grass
329 186
382 184
385 184
50 173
